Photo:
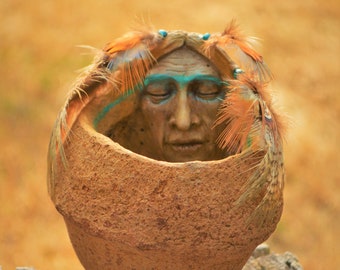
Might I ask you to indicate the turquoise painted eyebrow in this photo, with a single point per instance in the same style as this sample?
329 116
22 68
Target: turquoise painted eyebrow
181 79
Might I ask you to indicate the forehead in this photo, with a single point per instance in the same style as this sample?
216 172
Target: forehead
184 62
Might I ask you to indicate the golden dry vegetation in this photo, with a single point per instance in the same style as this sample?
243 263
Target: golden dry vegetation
39 59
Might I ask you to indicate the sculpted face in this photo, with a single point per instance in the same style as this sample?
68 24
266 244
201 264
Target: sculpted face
179 104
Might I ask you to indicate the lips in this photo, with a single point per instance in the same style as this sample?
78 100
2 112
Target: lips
186 146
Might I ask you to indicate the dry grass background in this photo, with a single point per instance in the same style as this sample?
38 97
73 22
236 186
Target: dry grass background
38 58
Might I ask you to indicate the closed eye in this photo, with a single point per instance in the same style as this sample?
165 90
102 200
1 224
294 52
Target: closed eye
207 90
160 91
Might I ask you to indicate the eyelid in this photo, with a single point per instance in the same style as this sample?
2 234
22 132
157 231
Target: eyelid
210 86
181 79
159 92
165 83
161 87
215 98
214 93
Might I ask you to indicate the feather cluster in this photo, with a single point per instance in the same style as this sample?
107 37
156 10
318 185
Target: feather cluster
132 57
246 114
240 50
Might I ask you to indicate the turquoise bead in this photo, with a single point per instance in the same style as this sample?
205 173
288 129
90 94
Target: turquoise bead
206 36
163 33
236 72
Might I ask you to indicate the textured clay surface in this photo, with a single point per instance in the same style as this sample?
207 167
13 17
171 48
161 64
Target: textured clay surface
126 211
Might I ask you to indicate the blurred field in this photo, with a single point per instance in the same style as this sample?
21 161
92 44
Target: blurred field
39 59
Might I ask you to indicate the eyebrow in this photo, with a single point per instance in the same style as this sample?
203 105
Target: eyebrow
181 79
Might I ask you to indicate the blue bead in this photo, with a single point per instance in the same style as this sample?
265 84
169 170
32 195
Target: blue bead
163 33
206 36
236 72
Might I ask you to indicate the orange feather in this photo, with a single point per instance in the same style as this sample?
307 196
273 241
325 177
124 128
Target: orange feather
126 42
233 35
240 49
246 114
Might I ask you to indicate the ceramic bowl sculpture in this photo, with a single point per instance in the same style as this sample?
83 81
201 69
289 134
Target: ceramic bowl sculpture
126 210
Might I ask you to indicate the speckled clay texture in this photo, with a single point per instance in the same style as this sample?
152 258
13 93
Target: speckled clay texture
125 211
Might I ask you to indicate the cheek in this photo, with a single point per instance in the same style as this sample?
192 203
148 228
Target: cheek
155 119
207 112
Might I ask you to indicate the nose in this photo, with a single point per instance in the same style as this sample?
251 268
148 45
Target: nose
183 117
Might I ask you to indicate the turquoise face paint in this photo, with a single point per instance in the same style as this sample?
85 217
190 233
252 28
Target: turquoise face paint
111 105
181 79
106 109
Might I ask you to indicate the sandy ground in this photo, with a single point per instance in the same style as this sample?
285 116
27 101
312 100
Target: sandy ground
39 58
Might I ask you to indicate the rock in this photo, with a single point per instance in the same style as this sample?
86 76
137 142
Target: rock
262 259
